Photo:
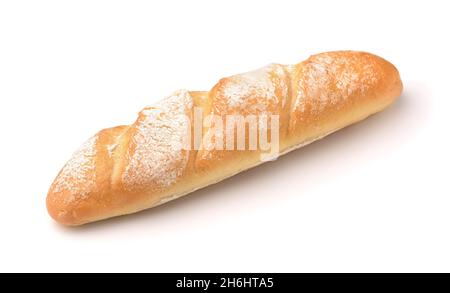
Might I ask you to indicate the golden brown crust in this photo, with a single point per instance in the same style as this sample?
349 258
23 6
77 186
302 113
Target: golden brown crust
83 188
130 168
330 88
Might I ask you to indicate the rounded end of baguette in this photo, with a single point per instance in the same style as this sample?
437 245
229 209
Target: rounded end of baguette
390 86
379 78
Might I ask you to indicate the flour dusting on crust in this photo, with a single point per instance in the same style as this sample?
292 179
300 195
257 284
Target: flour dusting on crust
259 91
158 159
78 175
328 80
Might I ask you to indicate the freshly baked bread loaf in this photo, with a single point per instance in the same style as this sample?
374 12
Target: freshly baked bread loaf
163 156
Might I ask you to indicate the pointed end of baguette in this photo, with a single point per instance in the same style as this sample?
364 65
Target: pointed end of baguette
81 192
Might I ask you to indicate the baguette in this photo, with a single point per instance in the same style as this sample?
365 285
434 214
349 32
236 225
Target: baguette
161 156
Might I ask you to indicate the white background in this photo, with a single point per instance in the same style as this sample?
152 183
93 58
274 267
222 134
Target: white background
373 197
